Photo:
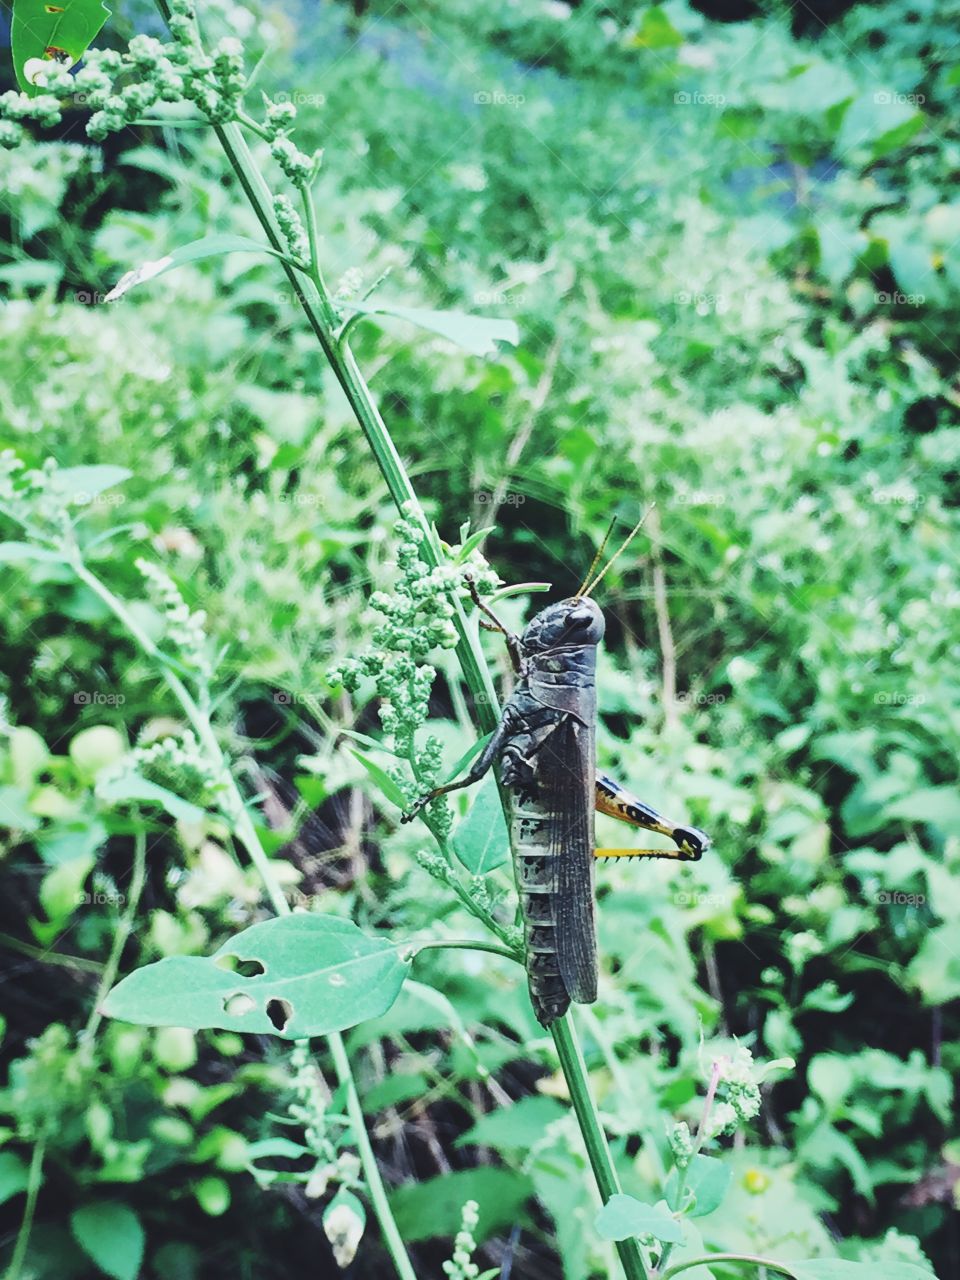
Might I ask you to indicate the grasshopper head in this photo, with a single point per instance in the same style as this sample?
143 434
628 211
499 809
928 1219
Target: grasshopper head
576 621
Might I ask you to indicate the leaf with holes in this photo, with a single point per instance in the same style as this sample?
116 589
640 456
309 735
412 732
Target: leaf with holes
297 976
57 34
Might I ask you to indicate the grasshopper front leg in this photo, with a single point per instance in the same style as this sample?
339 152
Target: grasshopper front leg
476 771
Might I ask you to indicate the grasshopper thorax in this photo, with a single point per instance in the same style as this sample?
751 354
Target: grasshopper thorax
576 621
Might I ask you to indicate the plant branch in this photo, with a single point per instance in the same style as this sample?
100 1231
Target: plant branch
781 1268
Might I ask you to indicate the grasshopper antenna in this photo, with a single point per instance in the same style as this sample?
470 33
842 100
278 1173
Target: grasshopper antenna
596 558
586 590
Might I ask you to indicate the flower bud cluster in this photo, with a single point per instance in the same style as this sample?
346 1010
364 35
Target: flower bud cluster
738 1094
36 499
418 617
291 228
185 627
122 87
462 1266
681 1144
178 764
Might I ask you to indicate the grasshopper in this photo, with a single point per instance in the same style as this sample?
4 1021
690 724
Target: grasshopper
545 746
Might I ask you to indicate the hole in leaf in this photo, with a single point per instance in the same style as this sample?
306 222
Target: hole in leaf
243 968
337 980
238 1006
279 1012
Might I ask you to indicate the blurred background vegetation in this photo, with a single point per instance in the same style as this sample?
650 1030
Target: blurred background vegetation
728 235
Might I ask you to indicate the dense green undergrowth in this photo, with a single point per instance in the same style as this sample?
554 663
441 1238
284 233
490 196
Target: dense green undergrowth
731 255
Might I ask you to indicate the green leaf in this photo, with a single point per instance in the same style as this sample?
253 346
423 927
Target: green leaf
308 975
69 27
110 1233
208 247
433 1207
623 1216
935 969
20 552
939 806
383 780
835 1269
132 786
476 334
510 1128
83 484
481 841
708 1179
14 1176
60 890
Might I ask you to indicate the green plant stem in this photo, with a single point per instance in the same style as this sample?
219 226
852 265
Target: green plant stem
466 944
247 833
378 1195
697 1146
601 1162
124 927
781 1268
34 1178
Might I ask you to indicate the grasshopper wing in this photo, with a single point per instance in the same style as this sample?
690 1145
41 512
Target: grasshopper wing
568 783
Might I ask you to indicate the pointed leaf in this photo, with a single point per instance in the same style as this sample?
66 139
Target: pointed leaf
383 780
208 247
83 484
476 334
57 34
307 975
110 1233
481 841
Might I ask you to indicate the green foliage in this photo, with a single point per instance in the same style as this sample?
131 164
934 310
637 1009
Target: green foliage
724 254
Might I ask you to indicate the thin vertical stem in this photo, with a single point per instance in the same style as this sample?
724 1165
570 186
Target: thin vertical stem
598 1152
